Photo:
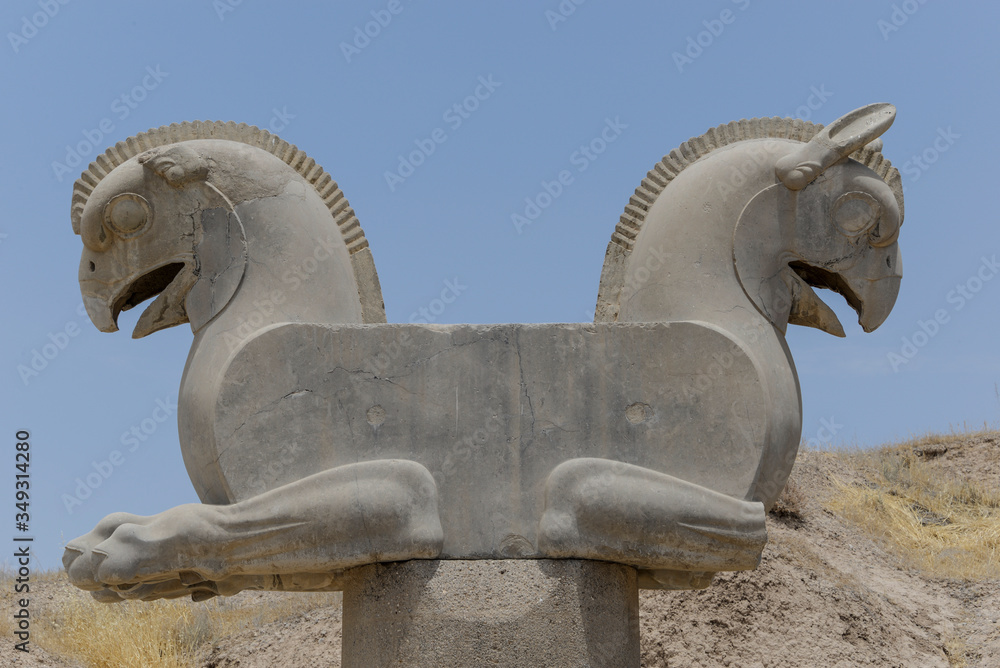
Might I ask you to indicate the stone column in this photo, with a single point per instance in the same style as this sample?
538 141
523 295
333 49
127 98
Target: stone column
503 613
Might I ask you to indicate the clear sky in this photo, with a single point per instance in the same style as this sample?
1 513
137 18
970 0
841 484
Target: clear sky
79 76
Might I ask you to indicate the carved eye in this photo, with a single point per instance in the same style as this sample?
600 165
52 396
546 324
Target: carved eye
855 213
128 215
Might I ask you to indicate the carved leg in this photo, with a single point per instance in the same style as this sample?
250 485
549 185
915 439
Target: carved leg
607 510
357 514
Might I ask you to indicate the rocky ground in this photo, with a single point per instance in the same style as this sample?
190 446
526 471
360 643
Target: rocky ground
824 595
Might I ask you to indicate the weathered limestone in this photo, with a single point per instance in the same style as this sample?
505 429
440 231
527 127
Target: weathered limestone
478 406
503 613
212 549
472 452
638 451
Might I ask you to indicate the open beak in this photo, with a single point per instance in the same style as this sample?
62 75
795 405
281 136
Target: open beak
877 299
100 312
104 303
869 287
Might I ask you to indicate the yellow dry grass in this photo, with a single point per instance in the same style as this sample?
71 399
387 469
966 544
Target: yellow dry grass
956 650
162 633
935 522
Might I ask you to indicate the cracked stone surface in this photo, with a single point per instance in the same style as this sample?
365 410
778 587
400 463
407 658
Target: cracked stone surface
490 411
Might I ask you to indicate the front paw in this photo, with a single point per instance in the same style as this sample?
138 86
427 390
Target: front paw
126 550
84 557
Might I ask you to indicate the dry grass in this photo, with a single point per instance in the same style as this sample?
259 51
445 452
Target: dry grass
957 652
67 623
791 504
942 525
161 633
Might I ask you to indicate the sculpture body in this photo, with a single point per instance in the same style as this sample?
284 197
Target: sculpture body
320 438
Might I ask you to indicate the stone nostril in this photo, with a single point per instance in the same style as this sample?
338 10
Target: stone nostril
93 267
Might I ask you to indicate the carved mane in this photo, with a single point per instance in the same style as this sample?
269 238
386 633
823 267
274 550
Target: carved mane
632 219
340 210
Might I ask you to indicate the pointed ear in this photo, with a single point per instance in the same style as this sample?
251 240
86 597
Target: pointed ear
834 142
177 164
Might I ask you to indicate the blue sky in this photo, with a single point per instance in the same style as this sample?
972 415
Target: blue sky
80 76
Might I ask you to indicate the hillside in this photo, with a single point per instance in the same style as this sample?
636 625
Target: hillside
913 579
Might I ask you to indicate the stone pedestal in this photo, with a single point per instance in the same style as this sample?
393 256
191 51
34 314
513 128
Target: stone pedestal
503 613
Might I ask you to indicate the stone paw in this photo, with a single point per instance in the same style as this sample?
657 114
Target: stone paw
84 556
124 551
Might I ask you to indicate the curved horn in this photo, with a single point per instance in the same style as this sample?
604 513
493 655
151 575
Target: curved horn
886 230
834 142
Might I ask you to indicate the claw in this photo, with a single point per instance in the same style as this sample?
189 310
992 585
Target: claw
137 592
70 554
106 596
202 595
189 578
83 573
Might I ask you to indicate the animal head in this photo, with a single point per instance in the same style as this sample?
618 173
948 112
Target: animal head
764 209
830 222
141 226
159 216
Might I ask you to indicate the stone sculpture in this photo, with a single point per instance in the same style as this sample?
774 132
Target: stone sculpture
319 438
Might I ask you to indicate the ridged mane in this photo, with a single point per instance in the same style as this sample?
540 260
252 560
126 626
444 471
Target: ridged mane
341 211
672 164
